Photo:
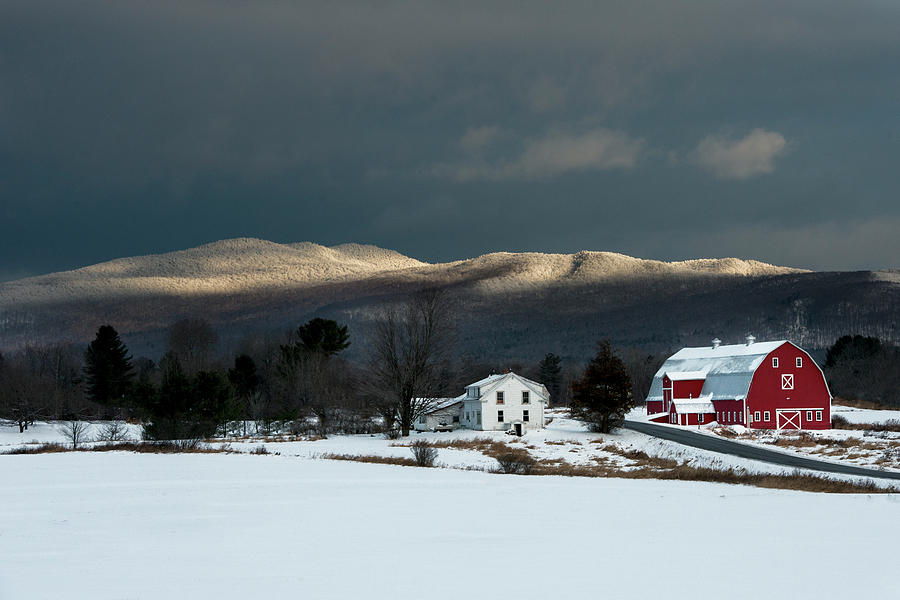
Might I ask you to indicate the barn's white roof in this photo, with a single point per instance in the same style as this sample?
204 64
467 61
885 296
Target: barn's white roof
728 369
686 375
700 405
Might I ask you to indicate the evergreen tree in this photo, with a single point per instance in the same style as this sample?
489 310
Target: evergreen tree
107 368
322 335
549 374
244 377
603 394
245 384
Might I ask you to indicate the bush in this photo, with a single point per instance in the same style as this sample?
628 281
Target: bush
517 462
838 422
424 453
392 434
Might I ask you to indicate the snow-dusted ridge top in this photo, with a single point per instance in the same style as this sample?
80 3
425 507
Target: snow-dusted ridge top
247 264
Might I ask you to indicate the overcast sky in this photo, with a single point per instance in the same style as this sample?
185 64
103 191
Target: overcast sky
443 130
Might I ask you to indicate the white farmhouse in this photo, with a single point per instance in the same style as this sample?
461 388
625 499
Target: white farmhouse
495 403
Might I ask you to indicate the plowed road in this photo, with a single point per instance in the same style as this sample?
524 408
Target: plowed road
723 446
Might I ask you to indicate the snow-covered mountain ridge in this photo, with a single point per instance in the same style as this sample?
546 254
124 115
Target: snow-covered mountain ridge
244 265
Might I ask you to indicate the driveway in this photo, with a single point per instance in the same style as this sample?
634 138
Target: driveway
724 446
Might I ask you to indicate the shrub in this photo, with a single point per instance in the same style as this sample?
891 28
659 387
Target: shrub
424 453
392 434
517 462
838 422
40 449
259 450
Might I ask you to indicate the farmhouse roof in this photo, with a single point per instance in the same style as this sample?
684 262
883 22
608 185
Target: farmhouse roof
488 383
442 403
487 380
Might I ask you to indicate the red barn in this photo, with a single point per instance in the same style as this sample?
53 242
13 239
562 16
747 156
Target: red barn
762 385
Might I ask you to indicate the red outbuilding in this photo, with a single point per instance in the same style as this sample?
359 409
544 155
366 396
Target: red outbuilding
762 385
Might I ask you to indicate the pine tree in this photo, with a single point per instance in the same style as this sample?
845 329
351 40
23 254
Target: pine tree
107 368
323 335
603 394
549 374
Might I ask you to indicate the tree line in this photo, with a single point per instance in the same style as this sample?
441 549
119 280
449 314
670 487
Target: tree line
301 382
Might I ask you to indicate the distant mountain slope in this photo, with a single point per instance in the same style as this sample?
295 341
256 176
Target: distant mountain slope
511 305
251 265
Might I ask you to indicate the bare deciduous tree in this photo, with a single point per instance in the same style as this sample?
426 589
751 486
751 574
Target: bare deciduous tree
76 432
408 347
114 431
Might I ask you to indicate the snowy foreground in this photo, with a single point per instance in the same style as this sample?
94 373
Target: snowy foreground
128 526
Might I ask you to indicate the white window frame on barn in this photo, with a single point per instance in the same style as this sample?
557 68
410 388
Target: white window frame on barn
818 415
809 416
756 416
767 416
799 362
701 417
774 362
787 381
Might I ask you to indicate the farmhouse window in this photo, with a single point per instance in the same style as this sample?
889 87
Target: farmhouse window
499 397
768 416
774 362
499 416
525 415
456 418
799 362
787 381
756 416
818 415
809 415
422 419
478 416
525 398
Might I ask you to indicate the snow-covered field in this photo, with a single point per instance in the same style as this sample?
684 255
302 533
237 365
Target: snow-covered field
864 415
563 439
43 432
128 526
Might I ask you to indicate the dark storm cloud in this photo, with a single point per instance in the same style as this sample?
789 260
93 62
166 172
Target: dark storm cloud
659 129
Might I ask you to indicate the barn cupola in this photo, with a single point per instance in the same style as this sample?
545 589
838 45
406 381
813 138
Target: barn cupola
750 339
716 343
